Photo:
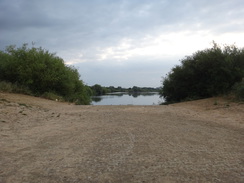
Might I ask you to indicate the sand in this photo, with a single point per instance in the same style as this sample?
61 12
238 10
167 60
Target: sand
49 141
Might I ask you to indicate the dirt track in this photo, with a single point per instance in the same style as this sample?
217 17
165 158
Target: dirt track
46 141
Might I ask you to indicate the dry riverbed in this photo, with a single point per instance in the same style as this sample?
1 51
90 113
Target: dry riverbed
54 142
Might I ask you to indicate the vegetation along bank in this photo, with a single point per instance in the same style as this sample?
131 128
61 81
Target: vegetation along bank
210 72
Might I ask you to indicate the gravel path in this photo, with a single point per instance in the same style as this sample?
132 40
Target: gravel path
46 141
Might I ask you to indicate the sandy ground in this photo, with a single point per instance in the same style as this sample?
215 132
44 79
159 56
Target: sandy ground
48 141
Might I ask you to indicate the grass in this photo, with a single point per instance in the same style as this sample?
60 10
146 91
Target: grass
52 96
25 105
13 88
4 100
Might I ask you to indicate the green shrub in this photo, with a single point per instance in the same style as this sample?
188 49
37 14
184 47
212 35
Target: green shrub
6 86
206 73
238 90
41 72
14 88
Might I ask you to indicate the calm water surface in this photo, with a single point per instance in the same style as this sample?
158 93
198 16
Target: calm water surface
127 99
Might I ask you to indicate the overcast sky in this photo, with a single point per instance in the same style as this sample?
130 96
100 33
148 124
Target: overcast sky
122 42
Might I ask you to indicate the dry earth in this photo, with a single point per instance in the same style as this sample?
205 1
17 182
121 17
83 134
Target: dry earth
54 142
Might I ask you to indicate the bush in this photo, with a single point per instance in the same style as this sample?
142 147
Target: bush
6 86
42 72
205 74
238 90
15 88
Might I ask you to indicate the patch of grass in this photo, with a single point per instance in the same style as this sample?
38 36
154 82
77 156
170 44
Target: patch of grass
52 96
215 102
238 90
14 88
4 100
24 105
6 86
21 104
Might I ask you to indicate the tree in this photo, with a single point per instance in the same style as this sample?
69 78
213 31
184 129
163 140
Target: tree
98 90
42 72
206 73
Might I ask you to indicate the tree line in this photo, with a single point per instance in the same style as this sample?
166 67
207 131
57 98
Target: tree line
210 72
98 90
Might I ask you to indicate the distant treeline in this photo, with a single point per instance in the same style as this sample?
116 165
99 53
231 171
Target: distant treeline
206 73
98 90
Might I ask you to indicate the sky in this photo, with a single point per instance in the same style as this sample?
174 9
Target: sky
122 42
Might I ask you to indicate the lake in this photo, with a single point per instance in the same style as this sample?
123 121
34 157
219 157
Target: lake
120 98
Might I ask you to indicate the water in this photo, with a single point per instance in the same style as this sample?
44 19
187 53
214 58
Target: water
151 98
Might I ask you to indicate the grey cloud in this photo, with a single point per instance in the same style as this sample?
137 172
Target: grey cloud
72 27
21 15
103 22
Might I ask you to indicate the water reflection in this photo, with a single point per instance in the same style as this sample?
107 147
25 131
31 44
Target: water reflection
96 99
121 98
